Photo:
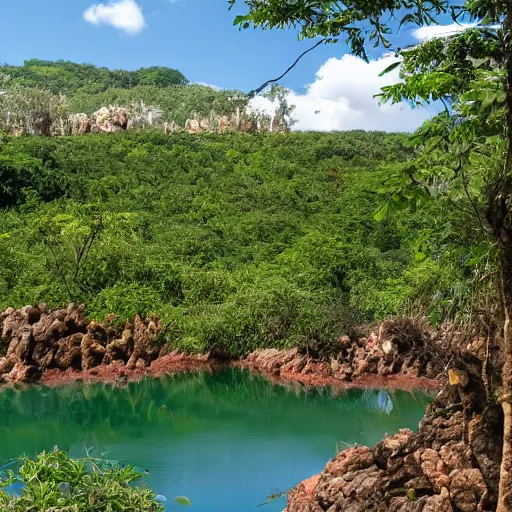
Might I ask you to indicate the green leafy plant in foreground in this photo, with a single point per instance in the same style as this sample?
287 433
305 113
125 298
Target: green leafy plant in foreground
56 482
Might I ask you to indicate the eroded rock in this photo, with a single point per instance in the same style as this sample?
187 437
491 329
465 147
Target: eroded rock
431 470
34 340
400 348
109 119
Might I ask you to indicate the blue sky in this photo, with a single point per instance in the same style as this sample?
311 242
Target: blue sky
195 36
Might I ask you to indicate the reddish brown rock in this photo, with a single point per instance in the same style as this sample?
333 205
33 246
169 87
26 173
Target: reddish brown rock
93 346
34 340
69 352
23 373
145 346
468 490
121 348
349 360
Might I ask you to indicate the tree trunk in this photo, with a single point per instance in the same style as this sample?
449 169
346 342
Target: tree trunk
500 217
505 486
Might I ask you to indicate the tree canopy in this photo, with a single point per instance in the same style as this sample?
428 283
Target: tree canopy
236 241
65 77
464 155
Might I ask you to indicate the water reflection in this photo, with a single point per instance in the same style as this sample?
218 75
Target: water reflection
226 440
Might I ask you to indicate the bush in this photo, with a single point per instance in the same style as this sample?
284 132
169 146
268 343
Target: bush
56 482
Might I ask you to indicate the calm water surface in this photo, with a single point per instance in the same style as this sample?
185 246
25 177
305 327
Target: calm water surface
226 440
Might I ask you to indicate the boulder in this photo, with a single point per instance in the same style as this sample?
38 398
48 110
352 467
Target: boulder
224 124
109 119
93 346
192 126
79 124
69 352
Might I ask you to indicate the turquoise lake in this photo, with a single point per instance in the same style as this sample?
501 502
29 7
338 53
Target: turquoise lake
226 440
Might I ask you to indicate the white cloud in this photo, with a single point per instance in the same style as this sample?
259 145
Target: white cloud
211 86
124 15
431 31
342 98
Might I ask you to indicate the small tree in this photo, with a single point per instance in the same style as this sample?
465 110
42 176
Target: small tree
68 239
283 112
467 150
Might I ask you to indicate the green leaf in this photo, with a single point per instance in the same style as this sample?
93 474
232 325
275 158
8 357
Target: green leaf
182 500
408 18
382 210
239 20
419 256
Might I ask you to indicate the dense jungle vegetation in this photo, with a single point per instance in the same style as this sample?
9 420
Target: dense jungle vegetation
65 77
236 241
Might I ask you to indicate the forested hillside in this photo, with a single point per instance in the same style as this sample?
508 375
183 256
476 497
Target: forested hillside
237 241
65 77
65 98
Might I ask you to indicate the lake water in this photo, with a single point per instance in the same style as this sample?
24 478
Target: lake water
226 441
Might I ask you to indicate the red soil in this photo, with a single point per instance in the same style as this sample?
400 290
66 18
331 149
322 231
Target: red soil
166 365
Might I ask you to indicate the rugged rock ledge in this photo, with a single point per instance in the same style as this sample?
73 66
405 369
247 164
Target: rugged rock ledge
450 465
62 345
446 466
360 363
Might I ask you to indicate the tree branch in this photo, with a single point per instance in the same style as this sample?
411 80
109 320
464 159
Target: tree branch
261 87
471 201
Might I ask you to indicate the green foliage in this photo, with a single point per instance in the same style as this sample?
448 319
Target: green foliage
65 77
236 241
359 23
54 481
460 162
464 157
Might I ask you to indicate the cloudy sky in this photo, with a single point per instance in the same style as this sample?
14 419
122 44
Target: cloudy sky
331 89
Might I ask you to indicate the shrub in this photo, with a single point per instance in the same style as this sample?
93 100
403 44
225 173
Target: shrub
54 481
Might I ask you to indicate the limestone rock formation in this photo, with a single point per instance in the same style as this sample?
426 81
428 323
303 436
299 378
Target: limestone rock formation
224 124
34 340
171 127
192 126
93 346
144 347
78 124
120 348
109 119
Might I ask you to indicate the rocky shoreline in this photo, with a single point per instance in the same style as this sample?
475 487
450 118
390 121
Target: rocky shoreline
450 464
447 466
59 346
